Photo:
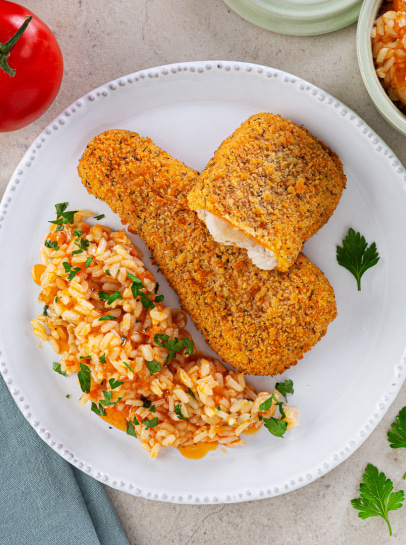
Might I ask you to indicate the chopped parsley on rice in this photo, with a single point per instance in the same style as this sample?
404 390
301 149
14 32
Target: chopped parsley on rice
135 361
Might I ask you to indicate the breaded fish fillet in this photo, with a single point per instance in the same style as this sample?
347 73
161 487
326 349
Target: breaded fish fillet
261 322
273 182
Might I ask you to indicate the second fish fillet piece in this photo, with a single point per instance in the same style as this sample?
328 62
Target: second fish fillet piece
261 322
269 187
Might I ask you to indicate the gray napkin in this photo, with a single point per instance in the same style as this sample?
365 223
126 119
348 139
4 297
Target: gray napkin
43 499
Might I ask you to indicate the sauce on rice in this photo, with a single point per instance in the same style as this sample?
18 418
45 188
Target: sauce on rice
137 365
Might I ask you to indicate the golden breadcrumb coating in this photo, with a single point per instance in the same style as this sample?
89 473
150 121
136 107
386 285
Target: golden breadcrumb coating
273 181
261 322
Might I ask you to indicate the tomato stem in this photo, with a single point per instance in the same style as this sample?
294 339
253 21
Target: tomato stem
6 47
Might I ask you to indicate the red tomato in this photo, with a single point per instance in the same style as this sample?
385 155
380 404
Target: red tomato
38 64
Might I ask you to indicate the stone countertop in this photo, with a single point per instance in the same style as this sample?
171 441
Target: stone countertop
102 40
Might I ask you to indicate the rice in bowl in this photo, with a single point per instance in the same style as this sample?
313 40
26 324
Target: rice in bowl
136 363
388 38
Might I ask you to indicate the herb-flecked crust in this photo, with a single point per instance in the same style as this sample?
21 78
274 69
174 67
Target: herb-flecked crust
261 322
273 181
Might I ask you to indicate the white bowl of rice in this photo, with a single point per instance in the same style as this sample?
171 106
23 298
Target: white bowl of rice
381 49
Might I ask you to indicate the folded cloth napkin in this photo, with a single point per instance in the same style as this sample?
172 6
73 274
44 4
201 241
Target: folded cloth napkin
43 499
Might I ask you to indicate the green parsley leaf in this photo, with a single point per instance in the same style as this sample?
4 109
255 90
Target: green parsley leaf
356 256
188 344
135 421
174 346
159 298
135 279
190 392
123 340
52 244
377 498
107 272
285 387
102 358
84 377
157 338
67 396
267 404
107 317
130 429
151 423
88 261
98 409
178 412
146 303
108 399
103 295
128 367
153 366
108 396
60 208
115 383
82 244
62 216
85 357
136 288
146 402
110 297
397 437
100 217
69 269
45 312
57 367
77 233
275 426
218 408
152 409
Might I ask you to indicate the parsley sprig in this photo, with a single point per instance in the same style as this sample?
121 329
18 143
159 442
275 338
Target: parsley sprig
52 244
108 399
174 345
151 423
285 387
98 409
376 496
84 377
71 270
153 366
82 244
397 437
130 428
110 297
62 217
57 367
178 412
356 256
276 426
136 287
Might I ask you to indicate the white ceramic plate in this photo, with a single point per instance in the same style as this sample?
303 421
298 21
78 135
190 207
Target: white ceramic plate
298 17
343 386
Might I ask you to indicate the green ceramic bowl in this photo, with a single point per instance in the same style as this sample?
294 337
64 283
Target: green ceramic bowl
382 102
298 17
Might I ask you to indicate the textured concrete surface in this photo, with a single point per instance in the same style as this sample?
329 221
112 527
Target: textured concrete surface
102 40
